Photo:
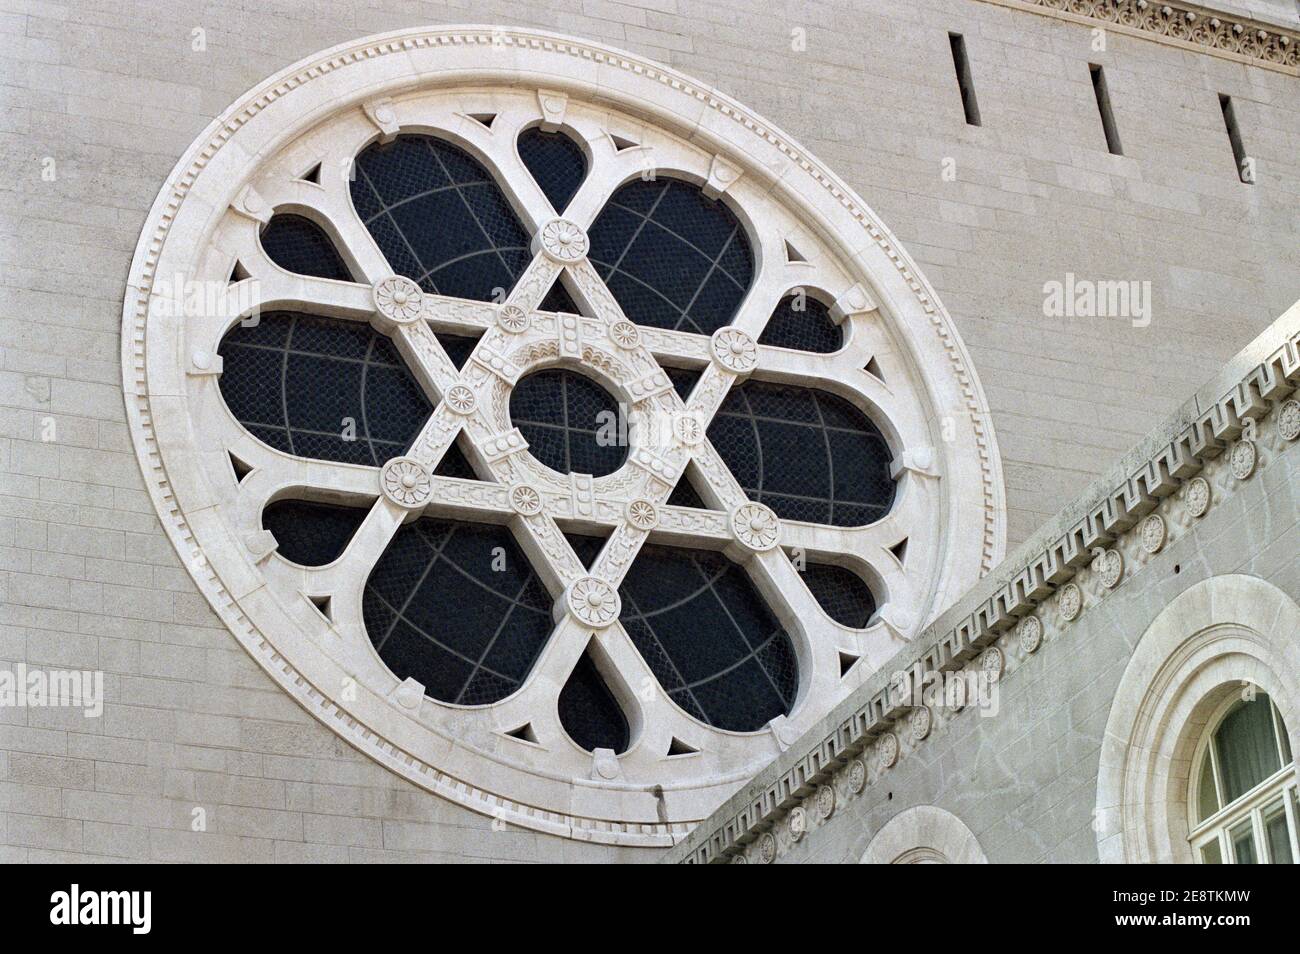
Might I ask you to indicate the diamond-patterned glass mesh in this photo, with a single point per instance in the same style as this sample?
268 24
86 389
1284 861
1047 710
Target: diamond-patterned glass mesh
311 534
458 607
709 637
843 594
802 323
299 245
569 421
321 387
589 712
672 258
556 163
439 217
807 454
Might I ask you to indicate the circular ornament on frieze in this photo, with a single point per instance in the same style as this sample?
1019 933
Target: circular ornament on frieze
1030 634
564 242
687 428
643 514
1070 602
921 722
825 801
625 334
406 482
1288 419
857 776
526 499
798 823
734 350
1197 495
593 601
755 526
887 750
767 848
991 663
461 399
398 299
1153 533
512 319
1110 568
1243 459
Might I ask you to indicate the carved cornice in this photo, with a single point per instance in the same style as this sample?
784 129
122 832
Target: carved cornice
1180 24
1215 433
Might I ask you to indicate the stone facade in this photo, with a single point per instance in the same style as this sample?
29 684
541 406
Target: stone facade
104 98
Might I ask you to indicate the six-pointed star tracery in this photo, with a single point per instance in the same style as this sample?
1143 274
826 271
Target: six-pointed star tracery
669 432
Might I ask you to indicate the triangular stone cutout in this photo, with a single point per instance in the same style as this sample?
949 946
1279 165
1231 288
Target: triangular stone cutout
312 174
683 380
524 733
558 299
873 369
325 604
793 255
685 494
458 347
678 747
899 550
846 663
238 273
484 119
454 463
585 546
589 712
240 468
622 142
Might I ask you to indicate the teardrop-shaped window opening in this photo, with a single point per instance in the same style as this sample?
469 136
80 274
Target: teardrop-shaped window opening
299 245
309 533
843 594
671 256
556 162
802 323
589 712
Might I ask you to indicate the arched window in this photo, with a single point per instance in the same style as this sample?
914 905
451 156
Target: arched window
1243 794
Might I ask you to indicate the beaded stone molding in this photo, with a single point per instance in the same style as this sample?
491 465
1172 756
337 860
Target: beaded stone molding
630 116
1180 24
1122 530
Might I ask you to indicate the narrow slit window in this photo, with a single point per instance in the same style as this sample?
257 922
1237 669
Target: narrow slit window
962 65
1103 107
1245 165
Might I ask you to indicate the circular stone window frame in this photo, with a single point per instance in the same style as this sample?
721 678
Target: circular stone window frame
168 375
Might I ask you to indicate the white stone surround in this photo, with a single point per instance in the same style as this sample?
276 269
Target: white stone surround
325 110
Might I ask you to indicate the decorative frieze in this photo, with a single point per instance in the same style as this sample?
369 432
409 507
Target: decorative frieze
1172 468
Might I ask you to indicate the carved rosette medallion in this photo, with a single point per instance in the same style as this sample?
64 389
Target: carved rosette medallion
564 242
1243 459
734 350
593 601
1153 533
755 526
643 514
1070 602
1197 496
1030 634
406 482
1110 568
887 750
398 299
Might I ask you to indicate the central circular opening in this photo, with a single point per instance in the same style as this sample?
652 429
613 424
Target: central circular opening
571 423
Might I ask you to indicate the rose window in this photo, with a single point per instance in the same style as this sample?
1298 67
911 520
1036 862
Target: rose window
567 461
